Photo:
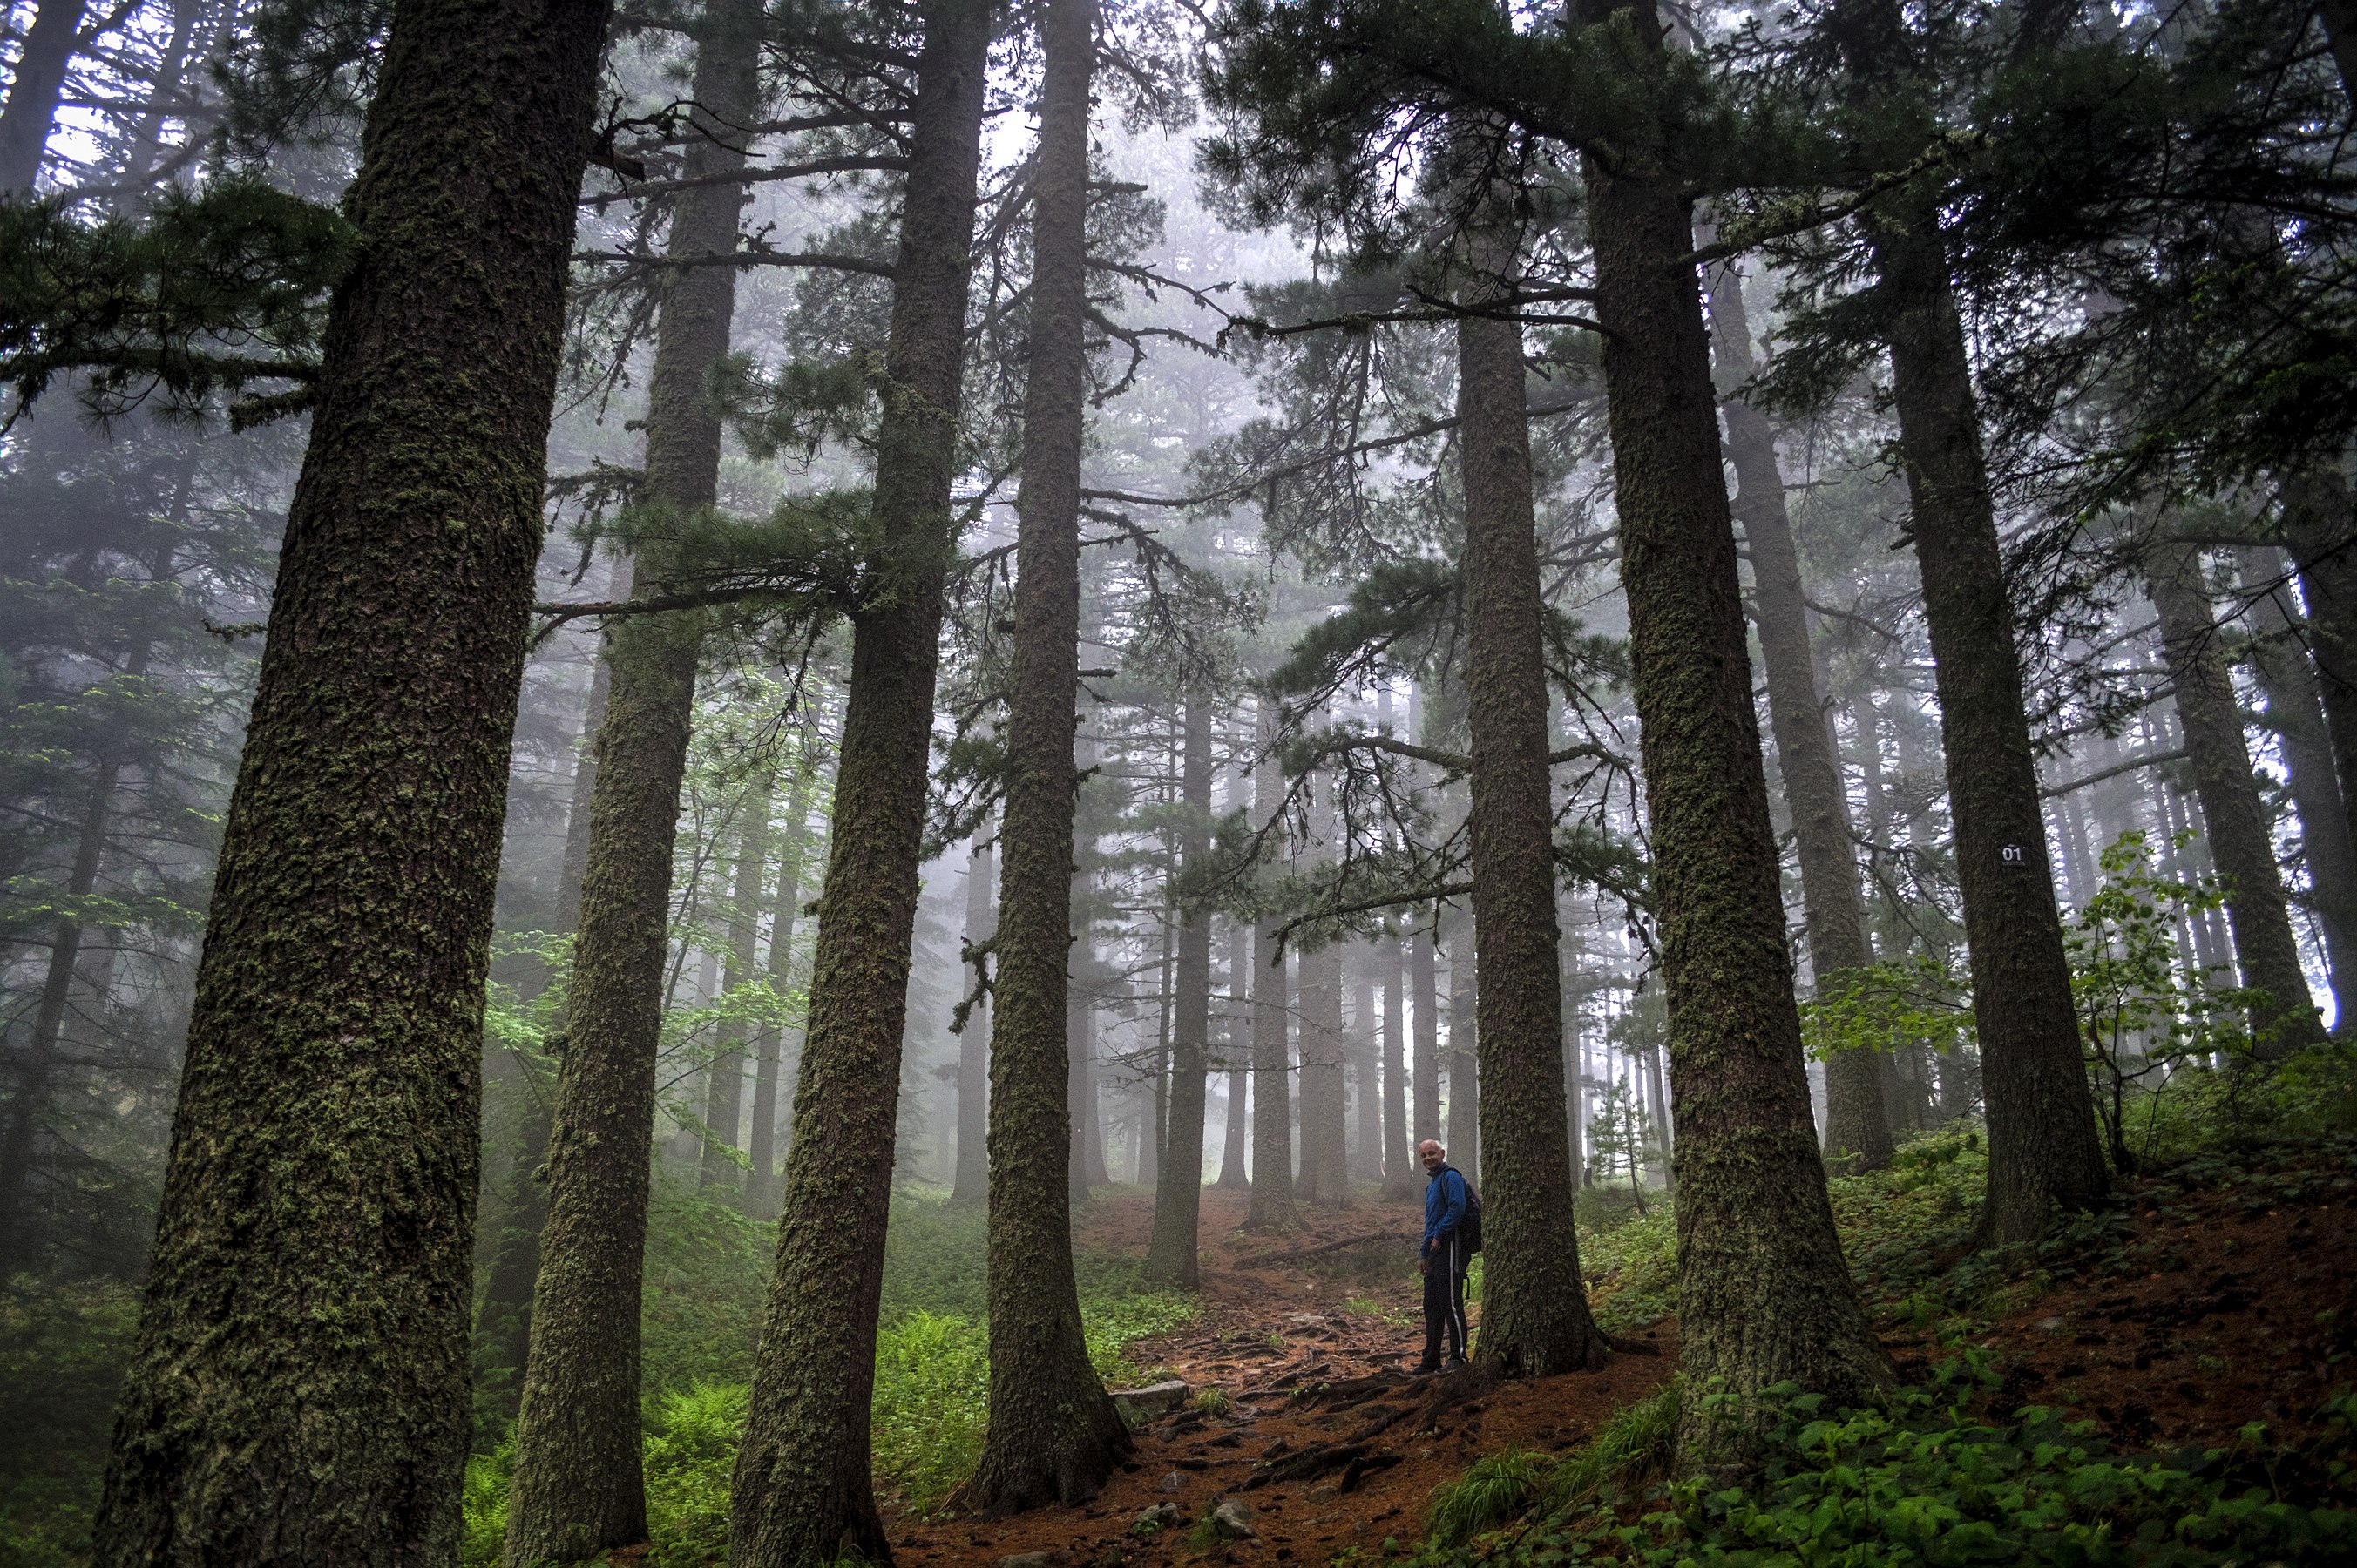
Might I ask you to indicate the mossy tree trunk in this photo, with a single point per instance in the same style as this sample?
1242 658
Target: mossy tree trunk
1764 1296
802 1491
1534 1317
1272 1189
298 1389
1054 1435
579 1488
1858 1128
2228 786
2041 1118
1179 1195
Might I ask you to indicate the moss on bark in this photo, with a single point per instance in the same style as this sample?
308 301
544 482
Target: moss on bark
1764 1296
298 1391
802 1493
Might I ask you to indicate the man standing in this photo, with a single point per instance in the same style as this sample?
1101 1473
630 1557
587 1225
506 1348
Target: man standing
1448 1249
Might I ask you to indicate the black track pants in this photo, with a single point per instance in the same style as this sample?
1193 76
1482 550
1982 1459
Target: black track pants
1443 1301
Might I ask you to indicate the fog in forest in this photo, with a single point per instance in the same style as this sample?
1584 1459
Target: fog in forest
751 748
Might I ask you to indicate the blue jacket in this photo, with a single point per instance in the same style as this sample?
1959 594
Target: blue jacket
1444 1207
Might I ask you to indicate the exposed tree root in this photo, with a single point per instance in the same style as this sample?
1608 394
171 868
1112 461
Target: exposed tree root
1352 1453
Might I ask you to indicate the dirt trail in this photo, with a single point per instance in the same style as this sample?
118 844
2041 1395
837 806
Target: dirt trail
1267 1335
2217 1307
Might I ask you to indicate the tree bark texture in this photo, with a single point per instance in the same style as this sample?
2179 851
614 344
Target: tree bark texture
1179 1195
1535 1318
2041 1122
579 1488
298 1389
2228 786
34 87
1763 1292
802 1494
973 1175
1857 1129
1054 1435
1272 1189
2295 711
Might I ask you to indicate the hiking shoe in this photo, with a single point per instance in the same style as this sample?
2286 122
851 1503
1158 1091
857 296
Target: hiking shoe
1423 1369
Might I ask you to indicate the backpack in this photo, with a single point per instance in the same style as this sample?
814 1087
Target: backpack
1470 1230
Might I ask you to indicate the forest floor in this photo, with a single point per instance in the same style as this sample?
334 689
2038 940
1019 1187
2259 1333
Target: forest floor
2199 1308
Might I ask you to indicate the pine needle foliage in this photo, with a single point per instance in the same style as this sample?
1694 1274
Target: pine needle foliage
212 293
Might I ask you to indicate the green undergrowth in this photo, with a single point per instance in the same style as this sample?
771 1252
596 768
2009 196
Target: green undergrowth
1933 1477
62 1348
706 1271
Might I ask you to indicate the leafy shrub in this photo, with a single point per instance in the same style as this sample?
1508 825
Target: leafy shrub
1924 1480
62 1348
1632 1269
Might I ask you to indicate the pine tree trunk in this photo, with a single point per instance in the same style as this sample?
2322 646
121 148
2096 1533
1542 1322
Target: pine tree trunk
1764 1296
579 1488
1366 1053
1858 1131
1272 1189
1424 972
1179 1196
2295 711
801 1493
298 1391
761 1143
973 1177
503 1315
34 87
2228 786
2041 1122
1535 1318
1400 1171
1323 1156
1054 1435
724 1101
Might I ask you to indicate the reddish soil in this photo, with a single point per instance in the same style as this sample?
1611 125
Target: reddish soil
1263 1335
2226 1306
2223 1307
